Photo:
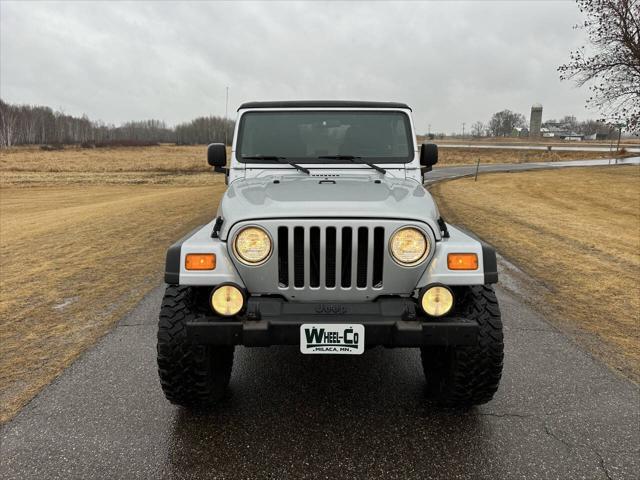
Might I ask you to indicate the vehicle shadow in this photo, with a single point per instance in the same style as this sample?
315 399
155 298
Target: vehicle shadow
290 415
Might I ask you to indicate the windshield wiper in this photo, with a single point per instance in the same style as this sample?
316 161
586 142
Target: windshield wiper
354 159
277 159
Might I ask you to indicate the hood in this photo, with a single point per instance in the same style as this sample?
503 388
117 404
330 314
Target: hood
344 196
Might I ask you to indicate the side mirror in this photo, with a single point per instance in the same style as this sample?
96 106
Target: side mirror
428 156
217 156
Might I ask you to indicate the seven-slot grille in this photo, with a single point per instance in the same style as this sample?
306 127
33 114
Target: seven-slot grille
330 257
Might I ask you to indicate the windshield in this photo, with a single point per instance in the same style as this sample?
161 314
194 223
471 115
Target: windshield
305 137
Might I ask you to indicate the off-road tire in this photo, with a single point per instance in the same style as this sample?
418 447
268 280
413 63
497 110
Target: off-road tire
193 376
461 377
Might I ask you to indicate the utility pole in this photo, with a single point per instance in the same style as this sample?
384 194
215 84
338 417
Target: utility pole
463 124
226 113
429 131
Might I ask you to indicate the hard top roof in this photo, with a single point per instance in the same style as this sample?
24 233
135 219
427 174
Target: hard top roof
323 104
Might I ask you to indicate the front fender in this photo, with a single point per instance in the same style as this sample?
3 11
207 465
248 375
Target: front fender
200 241
460 241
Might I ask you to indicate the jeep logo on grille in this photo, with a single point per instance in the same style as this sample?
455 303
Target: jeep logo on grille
331 309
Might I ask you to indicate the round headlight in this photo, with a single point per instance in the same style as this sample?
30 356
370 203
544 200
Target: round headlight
409 246
227 300
252 245
437 301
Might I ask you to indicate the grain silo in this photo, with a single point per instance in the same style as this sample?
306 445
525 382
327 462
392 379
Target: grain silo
536 120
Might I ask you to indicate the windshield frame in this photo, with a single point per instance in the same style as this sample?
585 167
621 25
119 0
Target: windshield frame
324 161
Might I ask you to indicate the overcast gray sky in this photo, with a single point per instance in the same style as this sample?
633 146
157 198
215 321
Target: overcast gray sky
453 62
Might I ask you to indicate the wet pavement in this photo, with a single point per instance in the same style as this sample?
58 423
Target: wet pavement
558 414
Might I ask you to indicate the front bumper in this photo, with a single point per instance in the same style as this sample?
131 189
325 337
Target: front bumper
391 322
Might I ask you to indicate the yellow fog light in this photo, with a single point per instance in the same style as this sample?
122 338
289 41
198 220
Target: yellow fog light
409 246
227 300
252 245
437 301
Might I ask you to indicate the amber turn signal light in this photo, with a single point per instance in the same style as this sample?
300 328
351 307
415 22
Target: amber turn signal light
200 261
462 261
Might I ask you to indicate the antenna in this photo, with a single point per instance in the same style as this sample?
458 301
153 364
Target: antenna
226 112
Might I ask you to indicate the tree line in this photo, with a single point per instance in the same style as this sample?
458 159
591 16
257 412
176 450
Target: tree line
505 122
205 130
40 125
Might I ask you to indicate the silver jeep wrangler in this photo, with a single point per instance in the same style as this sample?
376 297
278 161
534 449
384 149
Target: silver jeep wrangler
327 239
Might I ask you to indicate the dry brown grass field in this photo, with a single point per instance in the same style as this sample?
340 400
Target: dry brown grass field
576 230
163 158
170 164
164 164
83 233
466 156
82 239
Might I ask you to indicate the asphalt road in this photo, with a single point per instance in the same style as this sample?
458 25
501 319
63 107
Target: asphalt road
559 413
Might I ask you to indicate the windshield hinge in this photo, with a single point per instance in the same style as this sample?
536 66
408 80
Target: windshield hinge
443 227
216 227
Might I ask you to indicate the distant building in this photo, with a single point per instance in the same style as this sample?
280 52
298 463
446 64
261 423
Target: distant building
576 137
520 132
557 130
536 120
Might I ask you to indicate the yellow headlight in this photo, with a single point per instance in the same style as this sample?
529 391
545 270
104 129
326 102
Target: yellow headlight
437 301
227 300
252 245
409 246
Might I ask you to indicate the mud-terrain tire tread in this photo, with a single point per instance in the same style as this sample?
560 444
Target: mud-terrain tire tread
461 377
193 376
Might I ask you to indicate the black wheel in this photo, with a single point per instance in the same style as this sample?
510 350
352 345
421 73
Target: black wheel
465 376
194 376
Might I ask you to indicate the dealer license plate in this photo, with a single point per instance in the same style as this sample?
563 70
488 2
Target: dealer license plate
332 338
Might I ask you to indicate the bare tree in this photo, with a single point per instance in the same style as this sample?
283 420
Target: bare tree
478 129
503 123
205 130
8 124
570 121
612 65
589 127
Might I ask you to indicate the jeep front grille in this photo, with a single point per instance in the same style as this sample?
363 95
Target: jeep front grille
329 260
328 256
